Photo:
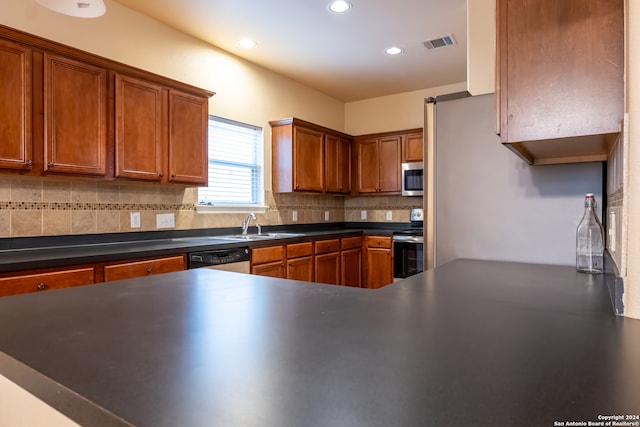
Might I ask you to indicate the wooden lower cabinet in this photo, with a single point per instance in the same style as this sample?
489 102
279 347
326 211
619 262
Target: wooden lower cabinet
378 261
300 261
269 261
351 268
41 281
327 261
128 270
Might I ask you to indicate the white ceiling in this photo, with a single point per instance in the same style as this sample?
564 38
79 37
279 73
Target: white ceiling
340 55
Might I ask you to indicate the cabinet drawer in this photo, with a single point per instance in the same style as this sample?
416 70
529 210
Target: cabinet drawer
297 250
143 268
270 254
379 241
351 243
326 246
42 281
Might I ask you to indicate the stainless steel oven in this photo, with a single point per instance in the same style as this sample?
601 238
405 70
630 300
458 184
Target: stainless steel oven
408 247
413 179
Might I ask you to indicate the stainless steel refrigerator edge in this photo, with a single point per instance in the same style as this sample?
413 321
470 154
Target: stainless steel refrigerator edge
483 202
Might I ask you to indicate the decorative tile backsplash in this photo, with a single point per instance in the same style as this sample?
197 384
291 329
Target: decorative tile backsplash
33 206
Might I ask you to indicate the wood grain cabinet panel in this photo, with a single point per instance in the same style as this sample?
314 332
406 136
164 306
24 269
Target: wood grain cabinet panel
560 70
269 261
327 268
75 116
188 124
308 160
379 164
16 143
128 270
337 164
351 267
35 282
140 129
412 147
378 265
300 268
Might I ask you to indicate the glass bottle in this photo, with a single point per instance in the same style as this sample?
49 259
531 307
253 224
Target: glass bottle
590 240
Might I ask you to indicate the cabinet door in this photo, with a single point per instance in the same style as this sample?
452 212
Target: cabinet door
368 170
389 157
300 269
16 143
75 116
337 164
379 267
308 160
412 147
26 283
188 124
271 269
128 270
328 268
572 87
351 267
140 129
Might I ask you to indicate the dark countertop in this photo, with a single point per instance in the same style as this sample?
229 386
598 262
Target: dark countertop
469 343
74 250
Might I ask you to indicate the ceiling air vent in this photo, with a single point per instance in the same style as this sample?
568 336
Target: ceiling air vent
440 42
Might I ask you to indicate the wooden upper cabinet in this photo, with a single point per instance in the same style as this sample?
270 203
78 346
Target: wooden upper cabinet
16 143
188 124
75 116
412 147
308 159
337 164
140 129
378 164
559 83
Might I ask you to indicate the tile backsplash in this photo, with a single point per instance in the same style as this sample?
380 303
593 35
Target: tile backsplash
34 206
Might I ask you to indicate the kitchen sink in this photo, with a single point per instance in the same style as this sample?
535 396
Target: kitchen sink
265 236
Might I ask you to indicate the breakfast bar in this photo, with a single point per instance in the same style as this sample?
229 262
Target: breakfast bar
469 343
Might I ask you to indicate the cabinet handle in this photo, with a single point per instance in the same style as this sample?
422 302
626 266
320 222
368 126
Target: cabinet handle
160 174
149 270
50 164
29 163
41 287
173 176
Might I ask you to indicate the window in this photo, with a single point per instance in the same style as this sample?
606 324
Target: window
235 166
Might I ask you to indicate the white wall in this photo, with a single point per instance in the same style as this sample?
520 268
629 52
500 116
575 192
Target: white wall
481 46
393 112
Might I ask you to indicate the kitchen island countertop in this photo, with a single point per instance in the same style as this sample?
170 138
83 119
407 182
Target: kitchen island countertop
469 343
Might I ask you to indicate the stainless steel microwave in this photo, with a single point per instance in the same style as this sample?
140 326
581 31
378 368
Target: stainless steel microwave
413 179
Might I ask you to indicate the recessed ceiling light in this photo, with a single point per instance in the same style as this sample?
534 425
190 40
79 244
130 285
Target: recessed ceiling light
393 50
339 6
246 43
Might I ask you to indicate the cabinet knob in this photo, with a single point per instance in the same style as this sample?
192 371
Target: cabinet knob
160 174
173 176
149 270
29 163
50 164
41 286
297 186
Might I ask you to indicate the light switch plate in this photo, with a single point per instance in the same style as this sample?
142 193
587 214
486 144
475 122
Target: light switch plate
135 219
166 220
294 216
363 214
326 215
389 215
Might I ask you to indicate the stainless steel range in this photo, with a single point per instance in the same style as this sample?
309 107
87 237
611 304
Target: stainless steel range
408 247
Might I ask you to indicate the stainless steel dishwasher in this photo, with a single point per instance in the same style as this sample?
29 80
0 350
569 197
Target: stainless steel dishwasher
232 259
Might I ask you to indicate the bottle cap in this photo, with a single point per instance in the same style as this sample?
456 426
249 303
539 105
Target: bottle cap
589 195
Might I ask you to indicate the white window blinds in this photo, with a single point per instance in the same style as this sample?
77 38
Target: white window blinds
235 164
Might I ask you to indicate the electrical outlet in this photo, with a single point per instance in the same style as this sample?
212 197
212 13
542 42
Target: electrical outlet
326 215
135 219
389 215
167 220
363 214
294 216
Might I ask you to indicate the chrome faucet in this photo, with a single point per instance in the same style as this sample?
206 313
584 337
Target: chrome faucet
245 222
